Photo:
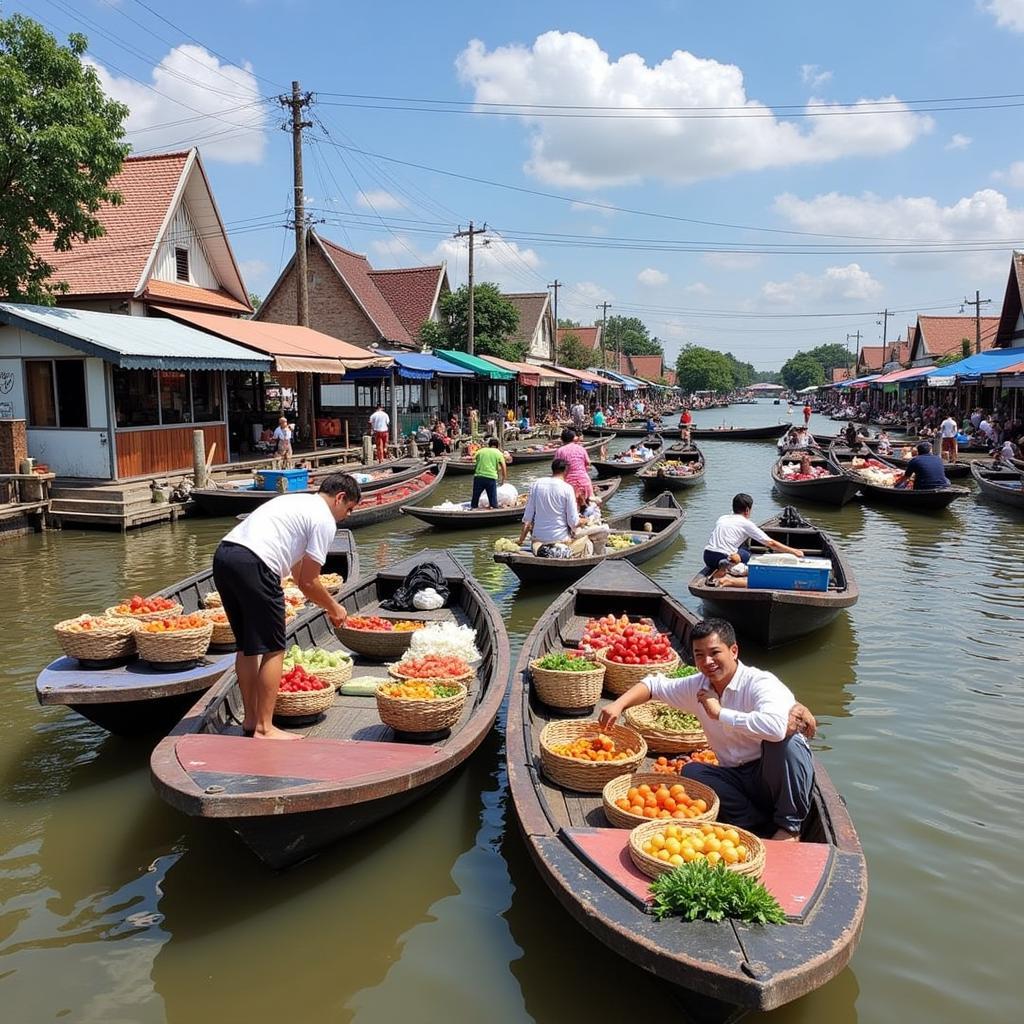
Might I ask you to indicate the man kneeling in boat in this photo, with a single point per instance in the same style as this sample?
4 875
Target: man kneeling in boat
753 723
552 516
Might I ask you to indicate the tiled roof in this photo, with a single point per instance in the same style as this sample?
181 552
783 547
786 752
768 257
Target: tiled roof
589 336
871 357
410 292
113 264
530 306
840 373
648 367
192 295
670 376
942 335
355 270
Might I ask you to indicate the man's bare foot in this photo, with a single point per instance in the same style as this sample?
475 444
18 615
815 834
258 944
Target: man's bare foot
273 733
785 836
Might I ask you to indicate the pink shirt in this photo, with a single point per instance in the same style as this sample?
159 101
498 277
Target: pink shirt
578 462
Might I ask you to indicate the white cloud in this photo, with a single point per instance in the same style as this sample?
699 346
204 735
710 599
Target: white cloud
812 75
1013 175
190 79
378 200
256 274
580 301
959 141
651 277
1008 13
836 284
731 260
398 249
580 152
505 263
697 288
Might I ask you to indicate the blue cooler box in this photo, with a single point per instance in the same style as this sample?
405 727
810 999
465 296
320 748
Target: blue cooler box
784 572
282 480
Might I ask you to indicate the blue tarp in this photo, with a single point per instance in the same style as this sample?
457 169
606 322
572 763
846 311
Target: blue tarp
628 383
412 366
974 367
858 381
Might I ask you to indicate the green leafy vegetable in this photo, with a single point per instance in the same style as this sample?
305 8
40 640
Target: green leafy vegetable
681 672
699 891
566 663
676 720
440 690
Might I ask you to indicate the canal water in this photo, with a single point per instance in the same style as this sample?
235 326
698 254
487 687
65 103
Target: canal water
116 909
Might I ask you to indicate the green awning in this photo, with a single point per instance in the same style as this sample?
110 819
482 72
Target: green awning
482 368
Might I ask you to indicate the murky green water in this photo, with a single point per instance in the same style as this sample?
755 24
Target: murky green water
114 908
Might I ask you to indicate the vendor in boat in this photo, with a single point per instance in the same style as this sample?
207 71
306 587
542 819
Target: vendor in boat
552 516
726 545
752 722
488 468
685 420
642 451
578 461
884 446
289 535
925 471
599 420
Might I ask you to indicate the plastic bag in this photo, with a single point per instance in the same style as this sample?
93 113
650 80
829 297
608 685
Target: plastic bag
427 600
424 575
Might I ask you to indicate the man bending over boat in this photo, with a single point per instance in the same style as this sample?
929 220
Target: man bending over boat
289 535
753 723
552 517
727 544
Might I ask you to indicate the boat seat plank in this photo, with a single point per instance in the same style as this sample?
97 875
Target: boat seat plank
66 675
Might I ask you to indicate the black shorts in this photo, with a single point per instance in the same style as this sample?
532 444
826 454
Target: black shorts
252 597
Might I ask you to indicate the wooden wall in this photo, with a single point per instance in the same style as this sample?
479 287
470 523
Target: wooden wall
165 449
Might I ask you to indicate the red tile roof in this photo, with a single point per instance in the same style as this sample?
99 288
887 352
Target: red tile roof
530 306
192 295
840 373
590 336
647 367
410 292
871 357
941 335
113 264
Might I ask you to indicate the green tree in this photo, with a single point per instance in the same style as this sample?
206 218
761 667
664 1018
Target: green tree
802 371
573 353
565 322
703 369
742 373
831 355
255 300
495 322
62 145
629 335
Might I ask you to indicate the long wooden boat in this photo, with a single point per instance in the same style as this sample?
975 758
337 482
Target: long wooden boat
387 503
131 698
464 465
958 470
738 433
1000 483
238 498
287 801
835 489
612 467
821 882
934 500
663 431
475 518
666 520
658 476
773 617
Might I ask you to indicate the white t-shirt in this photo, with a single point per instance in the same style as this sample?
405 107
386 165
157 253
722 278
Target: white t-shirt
380 421
948 427
755 707
552 509
731 531
986 428
280 531
283 434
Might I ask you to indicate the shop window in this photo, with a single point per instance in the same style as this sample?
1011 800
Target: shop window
174 398
56 393
206 396
136 398
42 405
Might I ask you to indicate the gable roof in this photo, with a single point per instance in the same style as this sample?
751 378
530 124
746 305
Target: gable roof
531 306
589 336
871 357
411 292
647 367
840 373
1013 302
938 336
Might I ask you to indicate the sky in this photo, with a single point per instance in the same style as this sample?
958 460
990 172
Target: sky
758 178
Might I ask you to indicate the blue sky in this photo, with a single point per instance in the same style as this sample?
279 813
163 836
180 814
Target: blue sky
743 216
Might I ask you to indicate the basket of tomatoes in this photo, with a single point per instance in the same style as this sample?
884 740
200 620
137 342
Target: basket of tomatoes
635 655
582 756
420 705
223 635
303 694
174 640
92 639
629 799
145 609
439 668
376 637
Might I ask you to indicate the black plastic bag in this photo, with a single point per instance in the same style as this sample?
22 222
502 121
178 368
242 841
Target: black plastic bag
427 574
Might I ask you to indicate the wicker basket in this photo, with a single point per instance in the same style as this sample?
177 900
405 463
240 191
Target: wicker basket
567 690
405 715
109 638
381 645
174 646
396 673
619 678
618 788
335 676
587 776
223 635
304 703
663 741
753 866
167 613
212 600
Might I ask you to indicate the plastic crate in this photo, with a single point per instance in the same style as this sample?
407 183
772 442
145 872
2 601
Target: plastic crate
282 480
765 573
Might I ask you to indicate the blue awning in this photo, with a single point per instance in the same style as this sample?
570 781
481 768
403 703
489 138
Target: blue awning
859 381
973 368
412 366
628 383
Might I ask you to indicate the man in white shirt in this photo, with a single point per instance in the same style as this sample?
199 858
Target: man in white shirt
754 725
380 423
986 428
552 514
948 430
726 543
577 413
288 535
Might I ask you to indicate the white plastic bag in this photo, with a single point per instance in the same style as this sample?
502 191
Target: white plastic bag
427 599
507 494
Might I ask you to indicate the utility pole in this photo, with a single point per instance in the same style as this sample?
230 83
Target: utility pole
604 307
555 285
848 337
470 233
977 302
885 314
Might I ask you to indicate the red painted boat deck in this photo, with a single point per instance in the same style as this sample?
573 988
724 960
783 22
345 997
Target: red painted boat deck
794 873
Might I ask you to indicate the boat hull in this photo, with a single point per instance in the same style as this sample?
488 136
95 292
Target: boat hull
992 485
739 433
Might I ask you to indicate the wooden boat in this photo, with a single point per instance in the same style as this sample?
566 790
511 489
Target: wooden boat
836 489
654 478
738 433
954 470
476 518
131 697
387 503
666 519
773 617
288 801
1000 483
235 499
464 465
821 881
663 431
934 500
612 467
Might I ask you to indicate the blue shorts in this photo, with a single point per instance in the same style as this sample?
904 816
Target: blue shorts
714 559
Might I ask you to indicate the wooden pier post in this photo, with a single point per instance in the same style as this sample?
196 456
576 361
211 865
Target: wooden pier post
198 458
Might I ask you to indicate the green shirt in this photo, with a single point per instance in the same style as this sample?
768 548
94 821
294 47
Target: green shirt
487 462
598 419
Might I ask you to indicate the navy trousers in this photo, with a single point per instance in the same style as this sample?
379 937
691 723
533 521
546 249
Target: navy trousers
761 796
484 485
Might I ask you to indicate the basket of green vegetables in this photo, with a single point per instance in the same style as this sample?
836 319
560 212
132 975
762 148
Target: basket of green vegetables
567 681
667 730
